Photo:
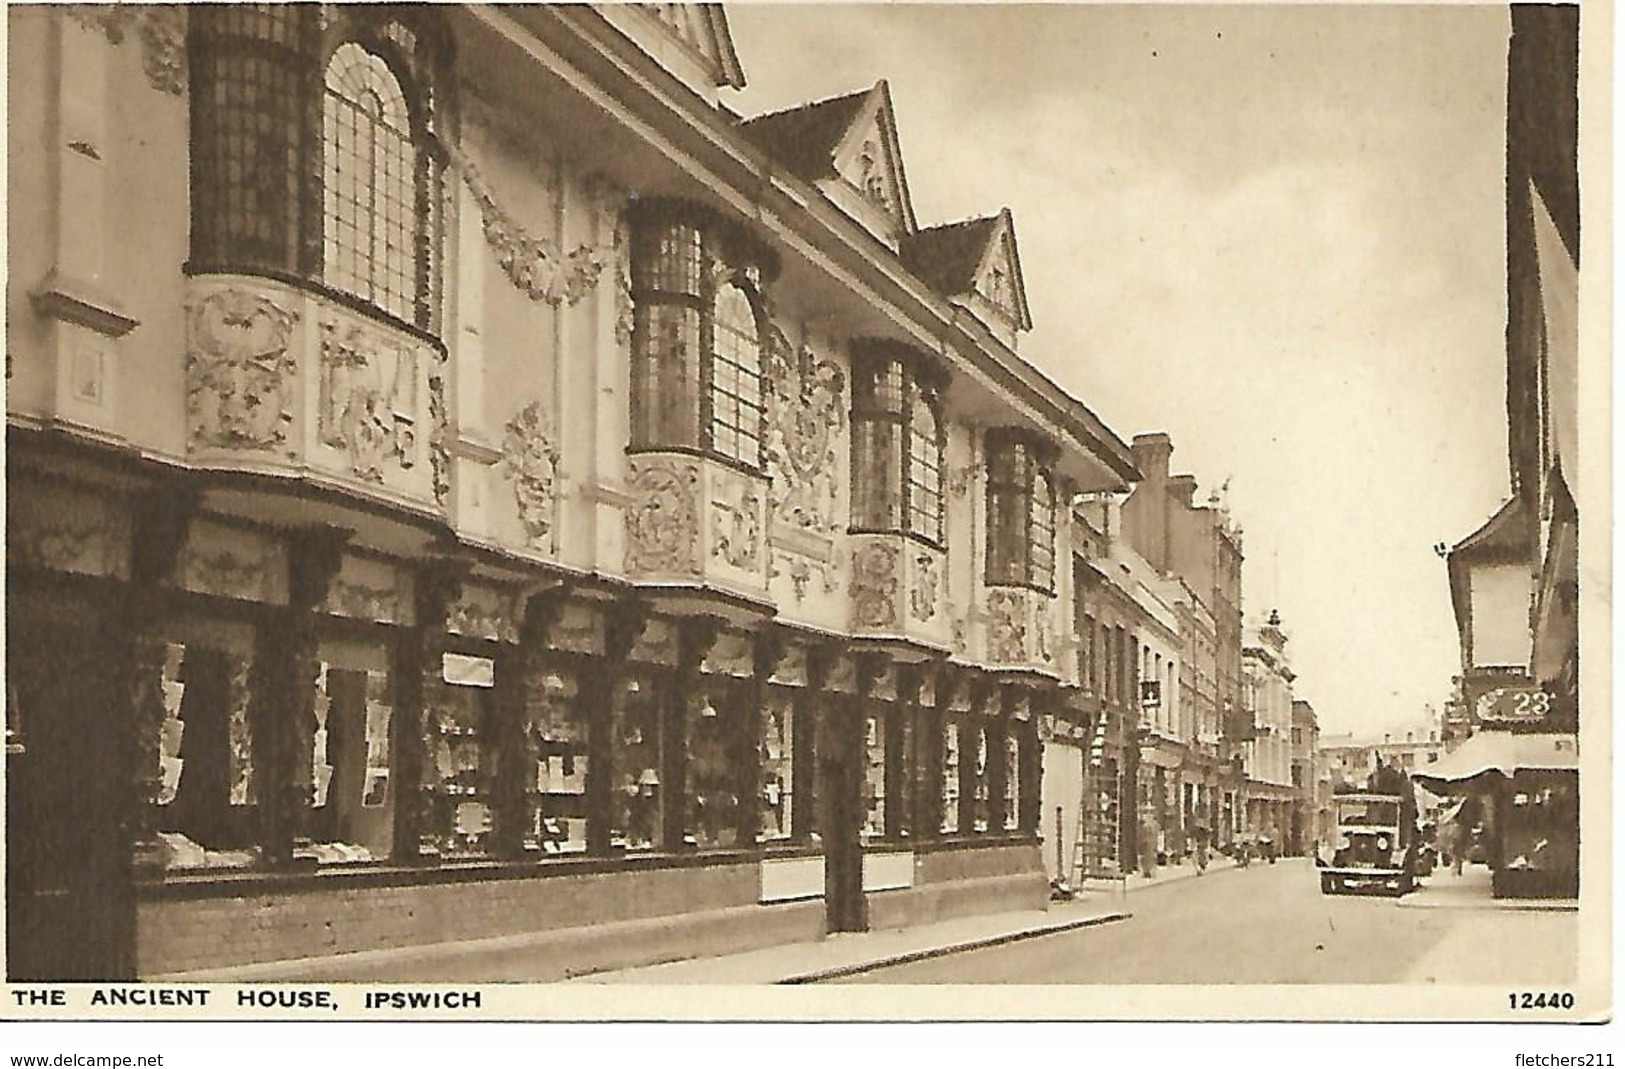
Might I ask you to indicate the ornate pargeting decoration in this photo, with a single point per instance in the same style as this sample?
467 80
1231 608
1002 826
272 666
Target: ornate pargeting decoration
240 372
806 414
874 585
536 266
530 462
61 547
801 569
922 592
363 601
161 29
241 733
224 574
1042 638
369 402
1006 627
482 612
662 523
611 199
736 526
439 435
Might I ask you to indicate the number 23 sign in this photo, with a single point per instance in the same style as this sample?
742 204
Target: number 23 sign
1514 705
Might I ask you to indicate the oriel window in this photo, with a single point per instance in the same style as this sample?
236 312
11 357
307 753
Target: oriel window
699 328
1020 511
897 444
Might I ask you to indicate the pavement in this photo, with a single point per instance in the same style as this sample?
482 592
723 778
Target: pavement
1269 924
849 954
1471 890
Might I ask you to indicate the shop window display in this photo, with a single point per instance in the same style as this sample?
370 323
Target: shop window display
778 743
638 803
207 784
713 793
351 796
462 765
874 778
950 777
981 780
556 744
1012 782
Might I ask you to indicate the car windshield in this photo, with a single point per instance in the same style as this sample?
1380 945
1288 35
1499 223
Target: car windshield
1383 814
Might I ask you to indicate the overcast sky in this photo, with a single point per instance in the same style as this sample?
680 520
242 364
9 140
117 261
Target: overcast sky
1276 233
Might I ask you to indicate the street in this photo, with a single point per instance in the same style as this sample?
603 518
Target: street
1269 924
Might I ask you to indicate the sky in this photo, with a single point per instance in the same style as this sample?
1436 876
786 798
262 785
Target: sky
1276 233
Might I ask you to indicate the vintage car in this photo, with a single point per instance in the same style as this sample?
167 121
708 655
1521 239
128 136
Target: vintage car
1375 851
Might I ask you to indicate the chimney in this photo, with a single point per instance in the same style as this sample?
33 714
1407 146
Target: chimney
1182 488
1151 456
1387 738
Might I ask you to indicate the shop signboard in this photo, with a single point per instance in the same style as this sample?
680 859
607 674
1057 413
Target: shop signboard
1514 705
1150 694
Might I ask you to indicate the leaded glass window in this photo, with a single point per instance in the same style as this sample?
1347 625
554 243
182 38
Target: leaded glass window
897 445
1020 513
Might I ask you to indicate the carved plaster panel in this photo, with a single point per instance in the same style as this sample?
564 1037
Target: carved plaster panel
874 585
530 464
484 612
662 524
736 524
369 397
924 587
241 372
806 419
1006 626
537 267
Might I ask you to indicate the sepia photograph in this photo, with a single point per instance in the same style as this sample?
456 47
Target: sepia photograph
553 511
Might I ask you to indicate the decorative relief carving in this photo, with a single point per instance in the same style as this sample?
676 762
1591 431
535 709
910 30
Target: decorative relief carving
530 461
1041 637
874 585
536 266
240 372
662 525
611 199
161 28
369 400
224 573
736 522
62 547
363 601
922 594
484 613
1006 627
800 569
439 436
806 417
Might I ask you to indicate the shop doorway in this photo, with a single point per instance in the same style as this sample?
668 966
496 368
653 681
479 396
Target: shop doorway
70 896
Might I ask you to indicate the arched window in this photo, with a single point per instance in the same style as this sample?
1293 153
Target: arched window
736 378
697 335
1020 511
897 444
314 152
370 211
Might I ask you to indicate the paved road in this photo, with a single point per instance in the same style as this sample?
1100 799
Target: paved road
1269 924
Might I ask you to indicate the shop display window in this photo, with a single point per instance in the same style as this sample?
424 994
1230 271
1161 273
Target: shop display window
462 762
556 748
207 783
874 778
712 797
351 792
950 777
637 809
778 744
981 780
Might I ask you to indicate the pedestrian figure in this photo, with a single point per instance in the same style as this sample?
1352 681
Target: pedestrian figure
1199 834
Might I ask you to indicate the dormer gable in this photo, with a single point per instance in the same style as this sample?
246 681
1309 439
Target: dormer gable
848 148
975 262
691 41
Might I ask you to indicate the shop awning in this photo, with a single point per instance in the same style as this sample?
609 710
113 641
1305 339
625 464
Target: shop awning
1498 751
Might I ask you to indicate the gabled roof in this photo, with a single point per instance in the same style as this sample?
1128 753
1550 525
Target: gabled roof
953 258
810 140
804 138
703 29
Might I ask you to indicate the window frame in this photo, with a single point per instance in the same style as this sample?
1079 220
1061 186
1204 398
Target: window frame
920 382
285 55
1036 468
726 256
